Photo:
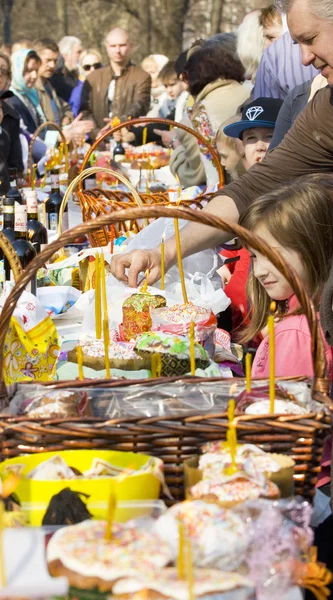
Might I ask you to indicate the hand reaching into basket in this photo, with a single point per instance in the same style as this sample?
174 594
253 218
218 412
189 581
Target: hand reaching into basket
137 261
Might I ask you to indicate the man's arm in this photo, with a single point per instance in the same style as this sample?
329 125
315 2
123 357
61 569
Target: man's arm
307 148
141 99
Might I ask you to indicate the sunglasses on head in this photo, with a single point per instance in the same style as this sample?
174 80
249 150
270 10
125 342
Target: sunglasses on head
93 66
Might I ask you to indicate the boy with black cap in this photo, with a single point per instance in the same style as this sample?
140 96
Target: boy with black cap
255 128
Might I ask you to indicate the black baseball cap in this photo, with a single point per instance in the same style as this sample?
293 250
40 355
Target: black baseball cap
262 112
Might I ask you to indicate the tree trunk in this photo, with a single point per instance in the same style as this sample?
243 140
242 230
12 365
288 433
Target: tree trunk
62 18
7 6
216 15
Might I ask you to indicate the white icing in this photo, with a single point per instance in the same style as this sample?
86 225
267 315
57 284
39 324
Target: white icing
281 407
82 548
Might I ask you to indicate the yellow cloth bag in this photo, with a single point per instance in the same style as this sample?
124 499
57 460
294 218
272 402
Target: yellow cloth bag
31 346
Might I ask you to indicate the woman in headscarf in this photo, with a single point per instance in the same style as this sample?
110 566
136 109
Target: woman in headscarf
25 64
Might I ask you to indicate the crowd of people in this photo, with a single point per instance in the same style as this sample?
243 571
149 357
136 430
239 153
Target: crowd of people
261 96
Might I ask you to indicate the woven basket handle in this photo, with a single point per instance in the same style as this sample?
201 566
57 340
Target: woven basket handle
91 171
148 120
10 254
47 124
320 383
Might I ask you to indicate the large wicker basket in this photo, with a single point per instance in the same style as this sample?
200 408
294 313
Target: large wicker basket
175 438
98 202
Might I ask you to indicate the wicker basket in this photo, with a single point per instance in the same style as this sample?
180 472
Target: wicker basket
98 202
175 438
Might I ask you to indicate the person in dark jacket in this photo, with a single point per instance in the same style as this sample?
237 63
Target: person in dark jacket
66 74
10 145
118 90
294 103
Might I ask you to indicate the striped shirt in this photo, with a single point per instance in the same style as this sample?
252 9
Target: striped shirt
281 69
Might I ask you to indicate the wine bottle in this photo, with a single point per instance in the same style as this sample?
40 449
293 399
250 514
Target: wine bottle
8 229
37 233
24 249
53 204
118 152
13 191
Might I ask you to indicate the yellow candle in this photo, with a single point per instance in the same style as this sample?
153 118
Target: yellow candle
153 366
232 437
189 570
192 344
79 355
163 262
61 152
33 176
106 339
181 551
98 308
44 214
2 554
103 284
66 158
248 359
144 287
144 136
180 264
158 365
112 505
270 325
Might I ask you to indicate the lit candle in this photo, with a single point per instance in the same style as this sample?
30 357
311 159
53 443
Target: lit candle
179 259
192 344
98 308
181 551
189 570
163 262
112 505
2 554
79 355
270 325
248 359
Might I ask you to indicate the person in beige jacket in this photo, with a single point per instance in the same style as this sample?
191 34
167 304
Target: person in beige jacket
215 77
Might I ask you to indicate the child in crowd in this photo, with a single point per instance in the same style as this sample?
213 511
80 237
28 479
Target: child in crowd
255 128
296 220
231 152
249 138
171 106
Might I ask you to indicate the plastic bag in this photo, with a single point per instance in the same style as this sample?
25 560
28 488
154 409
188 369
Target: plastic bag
203 283
31 345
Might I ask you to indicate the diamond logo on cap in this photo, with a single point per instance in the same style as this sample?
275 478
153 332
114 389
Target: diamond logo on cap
254 112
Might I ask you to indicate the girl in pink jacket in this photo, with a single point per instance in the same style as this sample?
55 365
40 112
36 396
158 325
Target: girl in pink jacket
297 221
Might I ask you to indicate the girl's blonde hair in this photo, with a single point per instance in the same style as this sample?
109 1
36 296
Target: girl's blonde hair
231 143
299 215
